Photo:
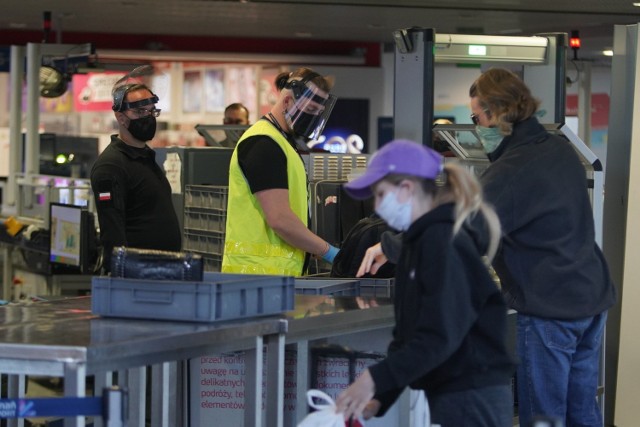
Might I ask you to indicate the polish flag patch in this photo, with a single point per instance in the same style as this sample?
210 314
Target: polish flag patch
104 196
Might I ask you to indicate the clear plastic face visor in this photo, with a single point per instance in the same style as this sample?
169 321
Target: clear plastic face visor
310 112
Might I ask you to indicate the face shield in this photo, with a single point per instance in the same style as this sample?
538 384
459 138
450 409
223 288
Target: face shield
145 75
311 109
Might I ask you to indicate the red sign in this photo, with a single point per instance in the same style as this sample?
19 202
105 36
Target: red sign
599 109
92 91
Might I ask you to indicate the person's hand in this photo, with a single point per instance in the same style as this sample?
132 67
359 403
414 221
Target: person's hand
371 409
354 401
372 261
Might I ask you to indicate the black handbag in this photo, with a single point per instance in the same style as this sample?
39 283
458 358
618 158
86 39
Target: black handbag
136 263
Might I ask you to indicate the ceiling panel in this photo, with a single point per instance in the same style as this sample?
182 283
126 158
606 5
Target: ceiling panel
351 20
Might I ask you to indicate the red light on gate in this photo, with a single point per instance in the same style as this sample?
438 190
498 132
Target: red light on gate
574 43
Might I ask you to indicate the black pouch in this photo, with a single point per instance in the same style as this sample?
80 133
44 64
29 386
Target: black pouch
136 263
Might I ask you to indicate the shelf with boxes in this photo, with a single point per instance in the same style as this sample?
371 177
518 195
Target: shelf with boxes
205 217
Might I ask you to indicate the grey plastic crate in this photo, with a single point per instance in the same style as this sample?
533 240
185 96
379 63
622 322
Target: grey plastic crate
212 262
205 219
206 196
367 286
204 242
373 287
218 297
333 287
192 242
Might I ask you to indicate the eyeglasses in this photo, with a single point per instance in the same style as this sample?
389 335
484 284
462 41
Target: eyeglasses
141 112
476 119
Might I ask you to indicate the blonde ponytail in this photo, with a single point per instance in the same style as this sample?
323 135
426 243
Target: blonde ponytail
464 190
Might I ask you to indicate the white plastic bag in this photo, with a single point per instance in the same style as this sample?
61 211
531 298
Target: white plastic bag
325 414
420 415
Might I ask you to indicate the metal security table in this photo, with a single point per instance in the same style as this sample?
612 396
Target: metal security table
64 339
319 317
315 317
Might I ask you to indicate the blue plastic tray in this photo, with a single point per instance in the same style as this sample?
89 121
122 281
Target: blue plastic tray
218 297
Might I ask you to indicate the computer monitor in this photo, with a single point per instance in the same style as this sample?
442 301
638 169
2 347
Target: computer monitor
221 135
72 244
347 129
64 155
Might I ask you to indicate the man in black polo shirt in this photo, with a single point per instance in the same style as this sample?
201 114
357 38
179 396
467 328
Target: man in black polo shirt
133 196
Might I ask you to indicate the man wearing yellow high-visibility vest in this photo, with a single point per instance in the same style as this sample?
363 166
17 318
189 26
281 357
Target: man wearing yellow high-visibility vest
267 212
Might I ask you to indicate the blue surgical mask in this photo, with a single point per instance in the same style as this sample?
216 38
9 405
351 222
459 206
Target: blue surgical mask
394 213
490 138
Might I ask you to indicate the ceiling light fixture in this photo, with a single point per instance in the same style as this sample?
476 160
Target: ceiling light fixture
636 4
607 52
465 48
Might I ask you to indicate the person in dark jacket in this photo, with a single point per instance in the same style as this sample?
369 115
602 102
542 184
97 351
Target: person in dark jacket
550 267
450 332
132 193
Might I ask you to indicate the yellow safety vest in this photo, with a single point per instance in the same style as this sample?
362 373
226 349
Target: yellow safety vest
251 246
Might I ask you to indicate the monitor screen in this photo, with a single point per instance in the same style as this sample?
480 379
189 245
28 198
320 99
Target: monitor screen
72 230
347 130
66 231
221 135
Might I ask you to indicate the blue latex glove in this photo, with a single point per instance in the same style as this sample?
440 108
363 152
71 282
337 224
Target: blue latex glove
331 254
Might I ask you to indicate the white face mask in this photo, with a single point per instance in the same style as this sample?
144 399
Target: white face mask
396 214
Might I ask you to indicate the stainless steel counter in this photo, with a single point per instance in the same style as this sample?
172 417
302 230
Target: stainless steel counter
318 316
62 338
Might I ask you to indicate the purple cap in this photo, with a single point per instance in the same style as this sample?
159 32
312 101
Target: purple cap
400 156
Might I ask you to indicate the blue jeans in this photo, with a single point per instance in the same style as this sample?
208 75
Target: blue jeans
558 370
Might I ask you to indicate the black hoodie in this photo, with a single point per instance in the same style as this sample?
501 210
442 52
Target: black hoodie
450 315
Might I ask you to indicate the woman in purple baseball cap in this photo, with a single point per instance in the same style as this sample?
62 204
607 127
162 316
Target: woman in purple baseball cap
450 335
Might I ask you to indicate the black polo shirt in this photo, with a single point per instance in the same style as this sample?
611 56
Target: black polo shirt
263 163
133 200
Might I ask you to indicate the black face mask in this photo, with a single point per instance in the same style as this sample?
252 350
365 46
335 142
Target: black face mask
143 129
303 124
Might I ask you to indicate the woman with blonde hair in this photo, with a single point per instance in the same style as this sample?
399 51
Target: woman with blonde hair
450 332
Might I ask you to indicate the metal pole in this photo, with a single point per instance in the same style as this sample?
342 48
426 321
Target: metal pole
548 81
253 384
116 402
584 103
32 146
413 86
16 388
75 386
275 380
15 124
